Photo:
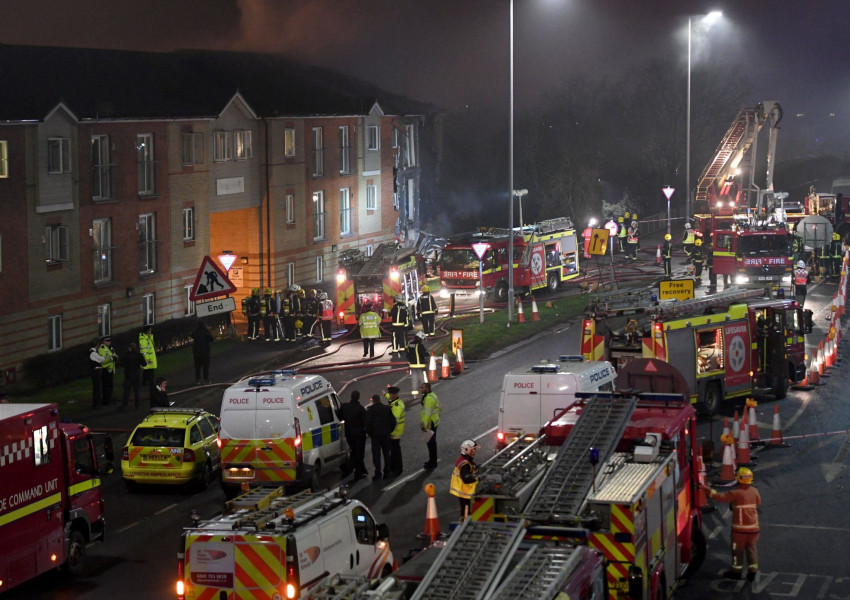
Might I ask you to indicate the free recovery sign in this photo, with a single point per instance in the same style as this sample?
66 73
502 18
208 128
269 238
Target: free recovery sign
679 289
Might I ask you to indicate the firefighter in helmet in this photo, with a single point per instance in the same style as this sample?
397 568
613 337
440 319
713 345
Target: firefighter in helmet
324 317
254 314
287 315
621 234
399 321
426 308
836 249
688 242
632 241
298 309
667 256
698 259
268 308
801 281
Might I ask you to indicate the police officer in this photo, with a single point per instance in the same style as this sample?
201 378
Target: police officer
148 352
464 480
397 407
426 307
95 367
325 316
667 256
632 240
370 329
417 356
107 372
688 242
801 280
698 259
399 321
254 308
621 234
429 420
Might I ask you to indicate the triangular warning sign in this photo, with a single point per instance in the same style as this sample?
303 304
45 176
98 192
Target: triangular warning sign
210 282
650 367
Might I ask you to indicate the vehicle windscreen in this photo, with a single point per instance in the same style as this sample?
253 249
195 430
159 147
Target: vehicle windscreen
458 259
160 437
764 245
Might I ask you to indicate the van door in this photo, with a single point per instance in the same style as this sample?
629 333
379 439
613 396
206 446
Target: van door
237 435
322 431
275 443
558 392
368 553
520 411
337 544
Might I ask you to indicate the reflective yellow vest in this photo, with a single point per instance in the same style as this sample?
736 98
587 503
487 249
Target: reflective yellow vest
397 407
458 487
146 348
431 408
370 325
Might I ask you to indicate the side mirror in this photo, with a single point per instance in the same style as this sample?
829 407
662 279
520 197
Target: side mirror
383 532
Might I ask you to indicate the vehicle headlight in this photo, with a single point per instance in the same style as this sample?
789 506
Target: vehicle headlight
742 279
444 293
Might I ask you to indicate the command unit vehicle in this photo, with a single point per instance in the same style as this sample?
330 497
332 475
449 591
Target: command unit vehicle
280 429
51 504
616 472
172 446
377 280
531 397
728 345
268 546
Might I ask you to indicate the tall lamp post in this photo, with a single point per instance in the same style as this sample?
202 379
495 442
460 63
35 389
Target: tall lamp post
511 181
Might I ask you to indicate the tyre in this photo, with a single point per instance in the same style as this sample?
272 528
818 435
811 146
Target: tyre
76 554
553 282
698 551
316 477
711 400
780 387
501 292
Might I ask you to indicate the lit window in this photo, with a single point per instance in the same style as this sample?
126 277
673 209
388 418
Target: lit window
344 212
318 216
289 142
222 150
4 159
290 273
242 144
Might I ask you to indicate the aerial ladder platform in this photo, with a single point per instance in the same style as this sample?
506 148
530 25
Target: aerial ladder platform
541 573
509 478
682 308
623 301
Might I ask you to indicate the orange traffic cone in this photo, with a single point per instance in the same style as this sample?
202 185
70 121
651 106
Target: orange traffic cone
736 427
459 361
742 454
727 469
821 367
445 372
776 430
812 372
535 315
804 385
725 427
702 501
432 523
754 426
520 317
658 255
432 369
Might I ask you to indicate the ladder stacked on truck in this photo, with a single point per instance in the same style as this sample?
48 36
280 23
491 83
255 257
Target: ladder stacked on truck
472 563
509 478
262 510
623 301
541 573
697 305
561 495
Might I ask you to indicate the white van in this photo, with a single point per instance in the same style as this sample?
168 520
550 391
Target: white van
280 429
531 397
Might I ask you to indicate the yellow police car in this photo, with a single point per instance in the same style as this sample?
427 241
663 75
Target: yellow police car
172 446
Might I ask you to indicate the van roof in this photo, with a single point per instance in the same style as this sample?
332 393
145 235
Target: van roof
574 367
277 379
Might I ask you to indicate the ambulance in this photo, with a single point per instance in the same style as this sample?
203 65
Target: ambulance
532 397
280 429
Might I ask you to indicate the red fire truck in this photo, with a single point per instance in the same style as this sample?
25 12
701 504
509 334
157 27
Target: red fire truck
50 498
754 256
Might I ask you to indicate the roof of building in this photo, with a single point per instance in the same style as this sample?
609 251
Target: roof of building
120 84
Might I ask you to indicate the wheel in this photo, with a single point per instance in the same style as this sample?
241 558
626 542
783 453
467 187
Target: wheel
76 553
698 551
711 401
501 292
316 477
553 282
780 387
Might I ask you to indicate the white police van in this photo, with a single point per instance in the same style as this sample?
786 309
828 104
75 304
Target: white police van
531 397
280 429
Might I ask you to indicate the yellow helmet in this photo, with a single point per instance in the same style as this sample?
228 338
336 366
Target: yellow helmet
668 237
425 289
635 217
619 219
698 242
745 476
835 236
627 215
255 291
269 291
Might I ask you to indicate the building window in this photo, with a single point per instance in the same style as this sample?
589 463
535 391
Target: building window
395 201
101 179
222 149
147 243
320 269
190 304
411 145
58 155
370 250
56 244
318 216
102 245
242 143
188 224
289 142
146 163
193 148
396 135
290 208
104 320
290 273
371 197
373 137
4 159
344 150
148 309
54 333
318 153
344 212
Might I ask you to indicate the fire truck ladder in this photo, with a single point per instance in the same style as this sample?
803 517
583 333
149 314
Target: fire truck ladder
540 574
260 509
682 308
472 563
512 468
552 225
623 301
350 587
562 492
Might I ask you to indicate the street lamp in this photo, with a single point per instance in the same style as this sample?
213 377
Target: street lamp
511 180
708 19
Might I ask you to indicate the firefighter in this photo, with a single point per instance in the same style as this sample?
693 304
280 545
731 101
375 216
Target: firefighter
268 308
708 253
824 261
107 372
745 501
464 480
254 314
370 329
148 351
801 279
417 357
429 420
297 309
698 259
397 407
797 246
621 234
667 256
311 306
324 317
688 242
400 321
426 308
288 315
835 251
632 240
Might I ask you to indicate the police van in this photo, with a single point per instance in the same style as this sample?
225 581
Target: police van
531 397
280 429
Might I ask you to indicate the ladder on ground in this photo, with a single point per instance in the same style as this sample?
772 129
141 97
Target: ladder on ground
563 491
472 563
627 301
512 468
682 308
541 574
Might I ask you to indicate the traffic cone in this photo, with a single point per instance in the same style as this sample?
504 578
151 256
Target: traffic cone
520 316
445 372
658 255
432 523
702 501
725 427
535 315
804 385
812 373
742 453
727 469
776 430
458 361
736 427
821 367
432 369
754 426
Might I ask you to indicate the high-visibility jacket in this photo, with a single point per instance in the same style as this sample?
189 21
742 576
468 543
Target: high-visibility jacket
326 310
431 408
621 232
426 305
463 478
370 325
416 354
399 316
836 249
286 307
632 237
689 237
744 502
801 277
397 407
95 358
108 355
147 350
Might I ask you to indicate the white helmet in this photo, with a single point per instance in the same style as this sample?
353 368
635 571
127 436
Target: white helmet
687 225
420 335
323 296
801 264
399 299
467 446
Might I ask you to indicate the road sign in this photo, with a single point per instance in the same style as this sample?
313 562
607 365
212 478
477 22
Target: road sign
668 191
480 248
679 289
215 307
611 226
598 242
227 259
210 282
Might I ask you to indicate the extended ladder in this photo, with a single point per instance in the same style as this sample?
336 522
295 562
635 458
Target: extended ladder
472 563
561 494
697 305
512 468
541 574
623 301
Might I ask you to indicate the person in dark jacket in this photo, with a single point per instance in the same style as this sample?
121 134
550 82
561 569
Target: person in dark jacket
379 423
132 363
202 339
354 415
160 396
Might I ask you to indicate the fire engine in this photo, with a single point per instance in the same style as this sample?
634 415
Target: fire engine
616 472
50 497
267 546
545 256
757 255
723 344
377 280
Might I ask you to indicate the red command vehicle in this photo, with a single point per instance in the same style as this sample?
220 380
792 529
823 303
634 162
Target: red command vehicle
50 498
